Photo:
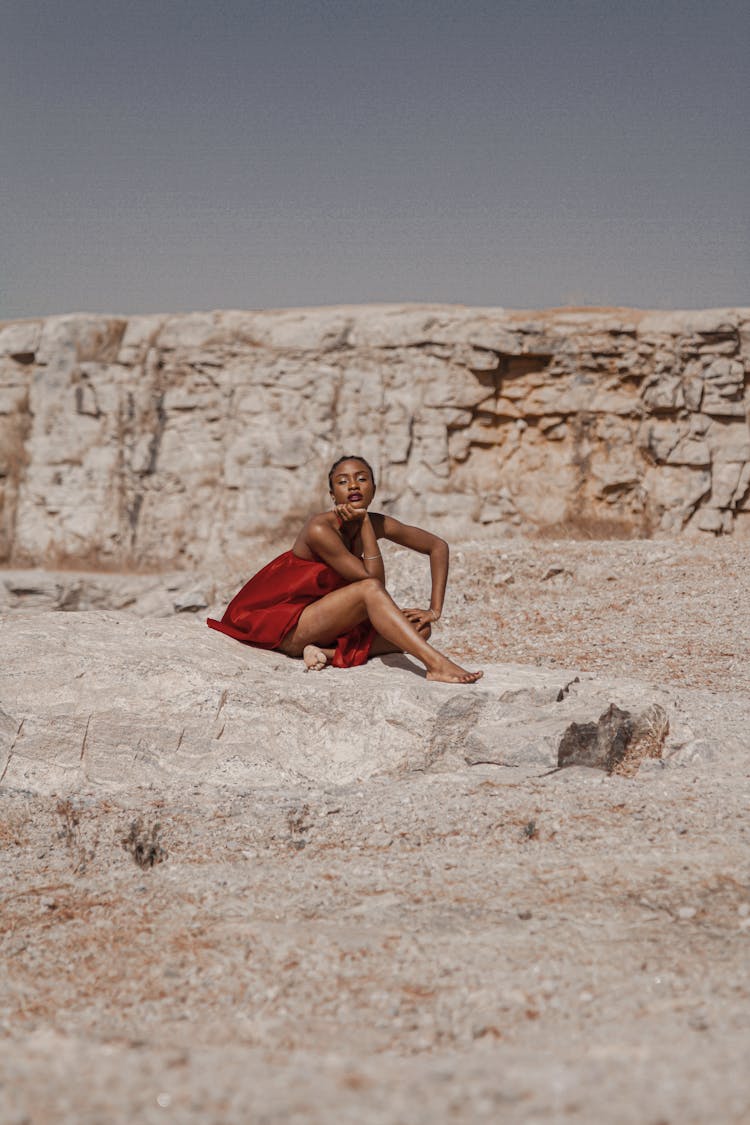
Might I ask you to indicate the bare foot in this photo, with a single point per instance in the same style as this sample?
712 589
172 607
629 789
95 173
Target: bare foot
446 672
314 658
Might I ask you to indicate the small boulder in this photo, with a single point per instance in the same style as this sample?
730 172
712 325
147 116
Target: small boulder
618 742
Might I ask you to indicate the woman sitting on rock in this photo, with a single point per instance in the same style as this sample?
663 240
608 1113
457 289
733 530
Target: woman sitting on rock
326 601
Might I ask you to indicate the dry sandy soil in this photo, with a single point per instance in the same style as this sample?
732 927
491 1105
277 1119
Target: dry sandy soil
484 945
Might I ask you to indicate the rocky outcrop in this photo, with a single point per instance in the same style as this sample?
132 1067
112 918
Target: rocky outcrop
617 743
169 440
106 699
109 701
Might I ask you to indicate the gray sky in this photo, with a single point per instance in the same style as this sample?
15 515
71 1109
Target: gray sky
169 155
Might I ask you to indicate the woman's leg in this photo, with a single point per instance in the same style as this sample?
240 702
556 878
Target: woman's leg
338 612
316 657
381 647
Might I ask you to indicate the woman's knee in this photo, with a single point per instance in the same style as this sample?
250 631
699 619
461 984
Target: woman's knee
370 586
425 631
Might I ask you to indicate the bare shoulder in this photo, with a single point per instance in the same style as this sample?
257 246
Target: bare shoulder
320 528
321 520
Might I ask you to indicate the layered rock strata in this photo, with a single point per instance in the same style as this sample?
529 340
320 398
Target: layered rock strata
169 440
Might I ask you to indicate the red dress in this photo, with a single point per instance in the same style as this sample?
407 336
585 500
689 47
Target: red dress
270 604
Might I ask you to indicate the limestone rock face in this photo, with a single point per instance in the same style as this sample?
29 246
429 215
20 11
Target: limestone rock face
169 440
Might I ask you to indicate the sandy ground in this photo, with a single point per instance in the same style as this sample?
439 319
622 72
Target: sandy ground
489 945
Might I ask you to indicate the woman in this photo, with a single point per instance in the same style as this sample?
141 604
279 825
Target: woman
326 601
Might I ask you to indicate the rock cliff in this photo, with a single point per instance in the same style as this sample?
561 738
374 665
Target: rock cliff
169 440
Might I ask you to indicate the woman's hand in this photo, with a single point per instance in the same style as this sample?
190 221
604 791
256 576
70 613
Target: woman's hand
347 512
420 617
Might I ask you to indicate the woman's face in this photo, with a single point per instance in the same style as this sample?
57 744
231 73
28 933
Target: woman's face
352 484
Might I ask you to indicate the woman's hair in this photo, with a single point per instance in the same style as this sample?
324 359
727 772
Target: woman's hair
348 457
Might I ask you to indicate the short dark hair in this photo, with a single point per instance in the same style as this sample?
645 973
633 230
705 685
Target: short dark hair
348 457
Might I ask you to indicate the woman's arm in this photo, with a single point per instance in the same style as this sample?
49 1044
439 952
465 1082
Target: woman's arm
371 555
416 539
323 540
